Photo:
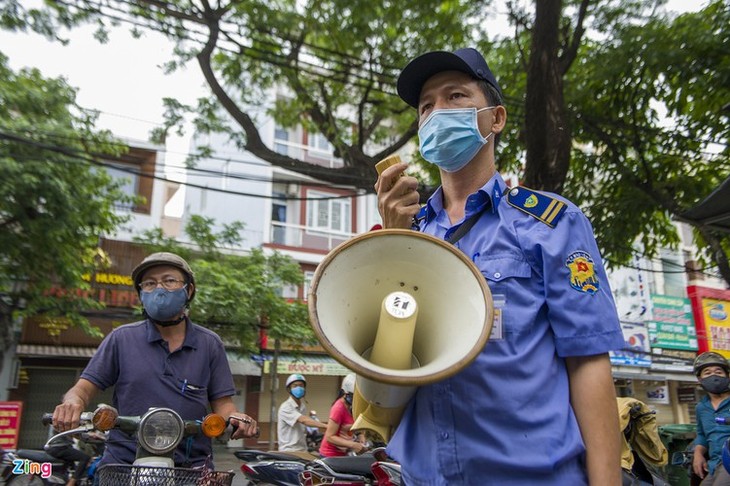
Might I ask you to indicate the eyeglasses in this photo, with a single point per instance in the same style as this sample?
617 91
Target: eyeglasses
167 283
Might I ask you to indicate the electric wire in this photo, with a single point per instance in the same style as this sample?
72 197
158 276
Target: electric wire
80 156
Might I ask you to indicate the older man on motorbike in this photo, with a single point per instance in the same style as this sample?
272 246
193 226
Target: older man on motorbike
164 360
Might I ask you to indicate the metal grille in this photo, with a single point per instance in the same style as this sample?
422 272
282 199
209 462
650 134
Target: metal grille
126 475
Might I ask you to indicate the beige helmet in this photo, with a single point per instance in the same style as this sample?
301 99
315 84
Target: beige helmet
710 358
163 258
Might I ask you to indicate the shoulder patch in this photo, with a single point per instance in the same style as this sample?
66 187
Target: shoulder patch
538 205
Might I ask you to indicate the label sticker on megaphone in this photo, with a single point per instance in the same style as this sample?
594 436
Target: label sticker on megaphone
400 305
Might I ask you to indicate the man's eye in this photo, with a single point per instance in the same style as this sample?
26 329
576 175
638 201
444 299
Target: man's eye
170 281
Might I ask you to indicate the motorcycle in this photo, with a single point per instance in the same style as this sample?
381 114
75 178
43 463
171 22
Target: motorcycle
370 468
271 467
159 431
35 467
294 469
314 436
643 452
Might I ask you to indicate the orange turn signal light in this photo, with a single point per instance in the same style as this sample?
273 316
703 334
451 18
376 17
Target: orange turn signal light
105 417
213 425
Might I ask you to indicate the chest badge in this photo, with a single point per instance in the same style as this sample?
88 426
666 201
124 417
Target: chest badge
582 272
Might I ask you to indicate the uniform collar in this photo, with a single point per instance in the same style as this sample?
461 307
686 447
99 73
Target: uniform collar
191 334
489 193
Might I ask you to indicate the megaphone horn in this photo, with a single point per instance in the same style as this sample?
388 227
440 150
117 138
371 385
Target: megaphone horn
401 309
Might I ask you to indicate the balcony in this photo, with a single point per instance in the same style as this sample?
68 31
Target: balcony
306 238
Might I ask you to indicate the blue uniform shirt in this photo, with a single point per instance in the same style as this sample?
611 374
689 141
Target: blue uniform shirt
135 359
711 434
506 419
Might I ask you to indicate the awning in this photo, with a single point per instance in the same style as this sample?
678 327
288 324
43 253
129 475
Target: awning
713 211
242 365
51 351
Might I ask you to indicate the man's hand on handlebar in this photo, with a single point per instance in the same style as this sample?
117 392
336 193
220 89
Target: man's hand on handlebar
66 415
243 426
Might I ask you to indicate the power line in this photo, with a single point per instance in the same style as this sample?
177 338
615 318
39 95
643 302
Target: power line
81 156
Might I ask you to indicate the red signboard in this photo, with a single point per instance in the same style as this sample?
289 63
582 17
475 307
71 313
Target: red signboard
10 413
710 308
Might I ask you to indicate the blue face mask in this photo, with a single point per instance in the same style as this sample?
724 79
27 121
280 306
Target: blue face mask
451 138
162 304
298 391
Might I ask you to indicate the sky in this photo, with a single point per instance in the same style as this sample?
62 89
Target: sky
123 78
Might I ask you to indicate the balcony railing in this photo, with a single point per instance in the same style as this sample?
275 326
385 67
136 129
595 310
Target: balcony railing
305 237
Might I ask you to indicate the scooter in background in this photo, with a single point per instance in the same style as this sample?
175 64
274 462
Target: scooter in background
274 468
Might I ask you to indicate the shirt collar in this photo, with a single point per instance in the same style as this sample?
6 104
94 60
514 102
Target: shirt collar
491 192
191 334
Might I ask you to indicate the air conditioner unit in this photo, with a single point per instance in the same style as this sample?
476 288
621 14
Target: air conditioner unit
292 190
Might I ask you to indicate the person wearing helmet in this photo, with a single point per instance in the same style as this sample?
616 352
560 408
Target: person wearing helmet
293 419
164 360
543 384
712 370
338 440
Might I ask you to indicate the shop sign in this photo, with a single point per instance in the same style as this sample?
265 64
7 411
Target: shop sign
10 413
658 394
686 394
673 360
285 367
672 326
711 308
636 351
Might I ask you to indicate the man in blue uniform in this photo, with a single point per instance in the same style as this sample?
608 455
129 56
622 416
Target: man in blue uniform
712 371
162 361
538 405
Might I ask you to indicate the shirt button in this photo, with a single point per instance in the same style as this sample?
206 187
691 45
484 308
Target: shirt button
444 435
497 274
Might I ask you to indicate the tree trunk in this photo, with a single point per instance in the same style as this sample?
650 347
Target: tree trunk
547 134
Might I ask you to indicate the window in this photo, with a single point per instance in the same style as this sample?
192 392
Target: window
308 277
129 179
281 140
278 215
330 215
135 171
673 270
319 146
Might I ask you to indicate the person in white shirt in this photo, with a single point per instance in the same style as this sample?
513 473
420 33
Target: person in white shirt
293 419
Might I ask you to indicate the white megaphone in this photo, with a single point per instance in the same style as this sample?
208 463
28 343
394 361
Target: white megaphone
401 309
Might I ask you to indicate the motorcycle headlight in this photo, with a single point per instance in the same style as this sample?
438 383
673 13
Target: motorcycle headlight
160 430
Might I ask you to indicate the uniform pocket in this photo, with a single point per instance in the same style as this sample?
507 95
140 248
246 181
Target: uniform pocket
508 278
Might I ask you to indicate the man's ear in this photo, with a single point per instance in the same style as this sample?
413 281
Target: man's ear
191 289
500 119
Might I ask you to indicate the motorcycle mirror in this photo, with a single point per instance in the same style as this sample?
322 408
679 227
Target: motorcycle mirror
213 425
678 458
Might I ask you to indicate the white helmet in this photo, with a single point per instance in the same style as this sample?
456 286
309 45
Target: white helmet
295 377
348 383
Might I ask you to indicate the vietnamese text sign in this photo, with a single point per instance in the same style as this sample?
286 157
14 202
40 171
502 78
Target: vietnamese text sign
10 413
304 367
711 308
672 326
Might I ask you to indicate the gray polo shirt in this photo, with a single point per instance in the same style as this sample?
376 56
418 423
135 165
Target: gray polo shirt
136 359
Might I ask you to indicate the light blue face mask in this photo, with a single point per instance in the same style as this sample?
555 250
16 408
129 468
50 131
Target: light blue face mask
451 138
298 391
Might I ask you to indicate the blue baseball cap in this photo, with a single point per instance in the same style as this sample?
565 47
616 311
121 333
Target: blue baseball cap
419 70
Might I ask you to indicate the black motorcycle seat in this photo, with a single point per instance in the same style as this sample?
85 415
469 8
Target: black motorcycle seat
252 455
350 464
37 456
